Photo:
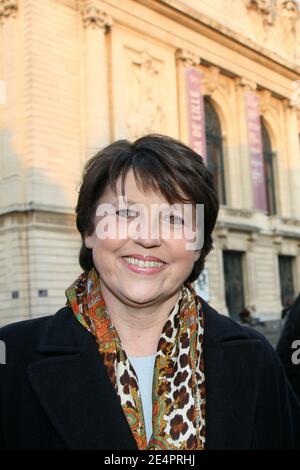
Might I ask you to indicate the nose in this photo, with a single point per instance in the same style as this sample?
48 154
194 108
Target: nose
148 242
149 232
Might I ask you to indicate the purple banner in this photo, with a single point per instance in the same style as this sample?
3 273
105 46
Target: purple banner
256 151
195 105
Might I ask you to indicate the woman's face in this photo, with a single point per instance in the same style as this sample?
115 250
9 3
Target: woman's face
130 283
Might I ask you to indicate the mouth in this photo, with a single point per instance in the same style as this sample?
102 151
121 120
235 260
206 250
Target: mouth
142 266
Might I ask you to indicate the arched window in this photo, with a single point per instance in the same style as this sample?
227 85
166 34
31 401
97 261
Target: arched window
214 148
268 169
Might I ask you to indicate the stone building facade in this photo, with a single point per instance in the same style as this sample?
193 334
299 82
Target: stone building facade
222 76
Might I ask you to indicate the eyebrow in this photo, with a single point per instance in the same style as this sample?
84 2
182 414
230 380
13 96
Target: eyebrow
129 201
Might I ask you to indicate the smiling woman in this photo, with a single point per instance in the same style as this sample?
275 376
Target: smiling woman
135 359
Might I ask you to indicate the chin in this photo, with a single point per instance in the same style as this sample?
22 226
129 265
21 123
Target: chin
138 296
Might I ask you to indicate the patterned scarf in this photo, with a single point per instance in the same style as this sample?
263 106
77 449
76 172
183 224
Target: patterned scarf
178 393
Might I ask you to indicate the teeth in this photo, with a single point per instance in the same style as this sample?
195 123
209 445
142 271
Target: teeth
143 264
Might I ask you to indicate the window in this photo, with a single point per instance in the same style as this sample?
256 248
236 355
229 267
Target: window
214 146
234 283
286 279
268 170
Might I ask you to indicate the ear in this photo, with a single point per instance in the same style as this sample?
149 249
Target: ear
89 241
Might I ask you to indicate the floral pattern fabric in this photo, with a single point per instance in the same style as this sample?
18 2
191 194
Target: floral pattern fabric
178 393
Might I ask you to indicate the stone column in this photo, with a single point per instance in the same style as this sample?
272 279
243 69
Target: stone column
15 297
250 284
277 250
96 24
184 59
221 244
10 100
244 85
292 139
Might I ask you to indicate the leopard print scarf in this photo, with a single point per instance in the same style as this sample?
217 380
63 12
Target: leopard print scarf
178 392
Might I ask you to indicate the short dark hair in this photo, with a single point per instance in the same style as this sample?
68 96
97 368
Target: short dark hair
160 163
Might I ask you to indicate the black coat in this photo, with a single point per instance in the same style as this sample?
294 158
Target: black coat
55 392
290 333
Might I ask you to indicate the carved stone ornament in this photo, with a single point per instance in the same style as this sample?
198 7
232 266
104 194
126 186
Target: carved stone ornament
267 8
8 8
232 212
252 238
265 101
277 241
211 79
94 17
245 82
189 58
288 14
145 112
290 9
295 96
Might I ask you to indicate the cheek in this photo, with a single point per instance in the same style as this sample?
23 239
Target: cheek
105 251
179 254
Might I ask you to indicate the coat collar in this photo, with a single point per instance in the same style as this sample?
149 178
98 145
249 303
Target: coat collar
75 391
233 367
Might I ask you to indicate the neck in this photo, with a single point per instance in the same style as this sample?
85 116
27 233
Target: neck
139 328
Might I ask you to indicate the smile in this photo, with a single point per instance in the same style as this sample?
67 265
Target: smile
141 266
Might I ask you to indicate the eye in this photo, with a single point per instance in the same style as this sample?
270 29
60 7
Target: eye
125 213
175 219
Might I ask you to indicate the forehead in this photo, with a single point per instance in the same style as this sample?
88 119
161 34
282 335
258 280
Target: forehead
135 193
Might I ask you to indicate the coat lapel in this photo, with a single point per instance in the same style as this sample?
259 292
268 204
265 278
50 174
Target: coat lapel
233 367
74 389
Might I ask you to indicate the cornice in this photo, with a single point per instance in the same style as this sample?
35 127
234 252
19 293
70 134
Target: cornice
200 23
36 216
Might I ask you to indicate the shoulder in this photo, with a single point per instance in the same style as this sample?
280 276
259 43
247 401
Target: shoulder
223 331
22 338
21 329
290 330
220 326
23 326
293 315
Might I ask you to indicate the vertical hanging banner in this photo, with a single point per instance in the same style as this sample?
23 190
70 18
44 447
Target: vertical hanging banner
256 151
195 108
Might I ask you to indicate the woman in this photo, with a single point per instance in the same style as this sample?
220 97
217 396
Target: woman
135 360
